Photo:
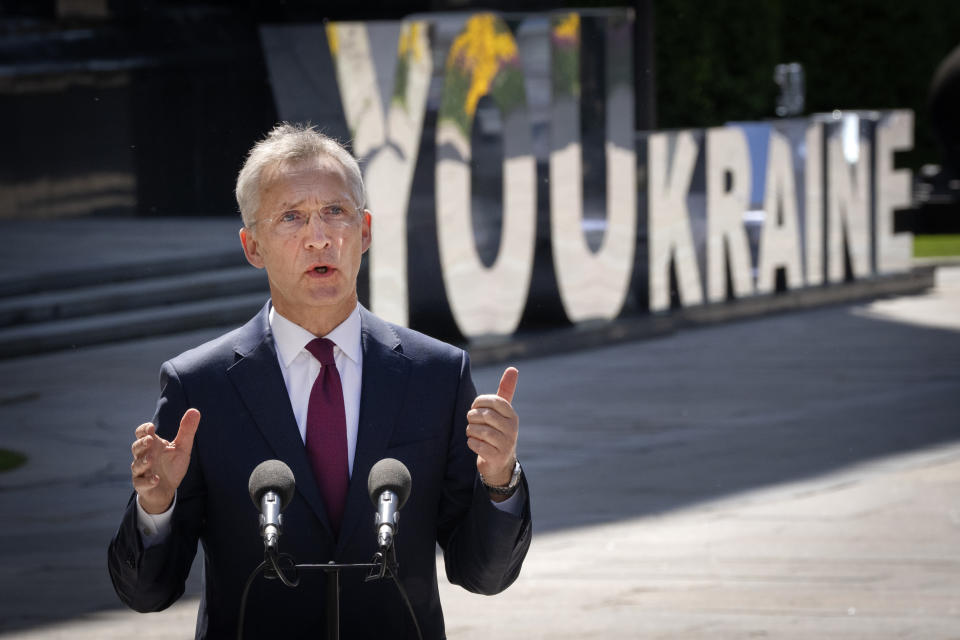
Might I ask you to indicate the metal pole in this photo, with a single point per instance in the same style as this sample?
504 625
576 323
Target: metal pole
333 603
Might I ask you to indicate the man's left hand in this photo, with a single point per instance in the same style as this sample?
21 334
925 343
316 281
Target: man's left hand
492 428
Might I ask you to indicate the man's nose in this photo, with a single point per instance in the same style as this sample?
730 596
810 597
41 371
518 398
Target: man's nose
316 231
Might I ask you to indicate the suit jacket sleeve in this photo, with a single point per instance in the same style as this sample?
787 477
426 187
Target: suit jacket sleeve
484 547
154 578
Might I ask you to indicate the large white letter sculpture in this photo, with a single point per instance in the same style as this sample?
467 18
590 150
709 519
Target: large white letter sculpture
671 159
728 160
848 208
387 147
592 285
894 250
384 73
813 204
485 300
780 239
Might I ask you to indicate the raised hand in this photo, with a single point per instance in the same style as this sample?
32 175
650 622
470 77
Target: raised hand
159 465
492 428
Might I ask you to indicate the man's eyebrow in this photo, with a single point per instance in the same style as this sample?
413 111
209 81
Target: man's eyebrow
284 206
299 203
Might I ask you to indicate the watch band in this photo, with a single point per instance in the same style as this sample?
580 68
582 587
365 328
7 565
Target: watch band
507 489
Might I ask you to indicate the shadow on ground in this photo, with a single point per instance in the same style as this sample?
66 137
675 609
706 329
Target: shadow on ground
606 434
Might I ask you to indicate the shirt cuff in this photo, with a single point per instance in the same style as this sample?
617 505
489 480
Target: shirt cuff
514 504
154 527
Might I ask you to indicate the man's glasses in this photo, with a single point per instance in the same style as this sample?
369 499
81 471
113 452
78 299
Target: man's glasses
288 223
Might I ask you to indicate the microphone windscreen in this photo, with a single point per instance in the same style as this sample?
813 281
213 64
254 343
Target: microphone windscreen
272 475
389 475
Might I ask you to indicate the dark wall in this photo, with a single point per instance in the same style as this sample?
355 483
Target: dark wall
192 125
147 112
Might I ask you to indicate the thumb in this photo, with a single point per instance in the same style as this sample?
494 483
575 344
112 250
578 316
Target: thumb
508 384
188 429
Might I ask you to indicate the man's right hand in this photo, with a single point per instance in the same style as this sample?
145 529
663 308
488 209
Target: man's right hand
159 465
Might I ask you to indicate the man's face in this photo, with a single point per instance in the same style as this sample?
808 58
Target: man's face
313 269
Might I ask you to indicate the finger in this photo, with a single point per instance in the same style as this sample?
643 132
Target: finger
492 401
484 449
188 429
140 466
145 482
145 429
491 435
480 415
508 384
143 474
142 446
489 417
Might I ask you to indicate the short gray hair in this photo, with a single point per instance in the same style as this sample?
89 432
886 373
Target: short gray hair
291 142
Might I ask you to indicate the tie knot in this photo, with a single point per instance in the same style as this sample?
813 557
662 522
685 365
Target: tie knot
322 350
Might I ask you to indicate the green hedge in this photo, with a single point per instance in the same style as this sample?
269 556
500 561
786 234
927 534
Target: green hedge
715 59
11 460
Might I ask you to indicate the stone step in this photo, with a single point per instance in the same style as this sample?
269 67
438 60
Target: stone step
32 339
133 294
72 277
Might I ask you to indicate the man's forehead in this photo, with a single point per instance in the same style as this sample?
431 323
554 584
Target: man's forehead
306 178
292 167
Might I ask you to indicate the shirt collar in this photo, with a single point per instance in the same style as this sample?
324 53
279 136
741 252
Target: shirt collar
291 339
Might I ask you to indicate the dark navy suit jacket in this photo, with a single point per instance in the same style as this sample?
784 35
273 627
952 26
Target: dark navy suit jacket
415 395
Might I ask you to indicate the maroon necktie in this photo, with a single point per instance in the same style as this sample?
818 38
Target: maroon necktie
327 433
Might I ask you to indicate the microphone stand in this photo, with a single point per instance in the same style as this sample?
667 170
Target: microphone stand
379 567
377 570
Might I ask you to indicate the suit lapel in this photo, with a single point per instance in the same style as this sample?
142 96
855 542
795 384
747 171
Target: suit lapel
257 377
383 388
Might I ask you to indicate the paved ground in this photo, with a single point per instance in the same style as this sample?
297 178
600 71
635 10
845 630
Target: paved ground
794 476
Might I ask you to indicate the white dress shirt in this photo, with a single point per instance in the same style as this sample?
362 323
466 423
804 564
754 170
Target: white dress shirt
300 369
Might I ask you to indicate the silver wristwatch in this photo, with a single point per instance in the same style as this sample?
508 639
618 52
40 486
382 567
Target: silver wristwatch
509 488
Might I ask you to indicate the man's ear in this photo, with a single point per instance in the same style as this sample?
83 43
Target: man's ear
251 248
365 231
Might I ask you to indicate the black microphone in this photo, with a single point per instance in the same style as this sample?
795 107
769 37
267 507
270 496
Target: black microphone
271 489
389 487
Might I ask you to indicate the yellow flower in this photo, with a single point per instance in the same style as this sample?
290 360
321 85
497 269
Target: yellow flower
410 43
481 50
332 38
569 28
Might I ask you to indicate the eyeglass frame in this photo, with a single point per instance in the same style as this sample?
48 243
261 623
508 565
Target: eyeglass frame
345 223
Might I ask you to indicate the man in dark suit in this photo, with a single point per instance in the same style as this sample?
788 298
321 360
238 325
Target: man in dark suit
319 382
